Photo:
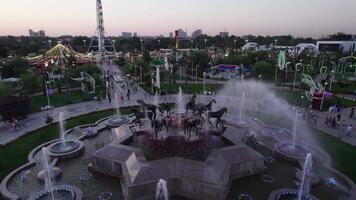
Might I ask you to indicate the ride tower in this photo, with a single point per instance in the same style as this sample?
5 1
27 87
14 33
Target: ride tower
105 47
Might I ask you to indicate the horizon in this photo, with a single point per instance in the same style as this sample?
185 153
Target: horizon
254 17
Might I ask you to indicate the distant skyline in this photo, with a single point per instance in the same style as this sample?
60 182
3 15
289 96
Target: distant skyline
306 18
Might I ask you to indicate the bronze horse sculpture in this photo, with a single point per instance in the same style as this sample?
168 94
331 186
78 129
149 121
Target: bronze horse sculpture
217 115
191 103
150 107
157 125
192 122
201 108
138 116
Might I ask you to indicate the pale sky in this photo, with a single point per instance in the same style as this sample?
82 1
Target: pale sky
154 17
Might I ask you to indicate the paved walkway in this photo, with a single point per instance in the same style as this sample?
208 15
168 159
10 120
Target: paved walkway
337 132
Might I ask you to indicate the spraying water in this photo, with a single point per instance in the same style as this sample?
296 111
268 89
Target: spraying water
242 105
161 190
158 79
180 102
118 114
156 100
306 174
61 126
295 128
48 172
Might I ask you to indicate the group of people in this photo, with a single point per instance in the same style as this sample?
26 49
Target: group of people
337 122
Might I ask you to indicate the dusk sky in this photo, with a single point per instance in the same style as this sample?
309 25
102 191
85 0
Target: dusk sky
154 17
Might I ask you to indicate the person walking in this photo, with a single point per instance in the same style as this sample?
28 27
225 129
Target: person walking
352 113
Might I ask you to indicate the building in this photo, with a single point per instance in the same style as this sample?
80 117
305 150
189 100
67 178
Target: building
126 34
170 34
224 34
40 33
197 33
344 46
182 33
135 34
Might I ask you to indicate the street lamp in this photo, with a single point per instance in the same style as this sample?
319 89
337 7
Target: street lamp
191 44
141 40
49 42
275 42
260 77
152 81
159 42
204 74
205 40
234 43
295 73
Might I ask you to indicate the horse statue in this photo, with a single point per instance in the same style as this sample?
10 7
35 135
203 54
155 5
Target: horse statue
165 106
191 103
138 116
157 125
150 107
192 122
218 114
201 108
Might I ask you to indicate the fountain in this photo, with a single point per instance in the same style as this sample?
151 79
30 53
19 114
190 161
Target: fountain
52 192
161 190
64 148
240 121
118 119
90 132
303 193
201 163
291 150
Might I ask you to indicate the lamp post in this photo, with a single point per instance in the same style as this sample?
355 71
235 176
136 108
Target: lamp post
286 74
234 43
205 40
295 73
275 43
50 43
204 74
260 77
159 42
196 74
141 41
191 44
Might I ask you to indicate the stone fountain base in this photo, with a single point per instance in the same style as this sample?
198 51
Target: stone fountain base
71 149
117 121
67 192
289 152
287 194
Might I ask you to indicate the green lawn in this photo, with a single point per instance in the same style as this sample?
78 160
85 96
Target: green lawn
60 99
15 154
189 89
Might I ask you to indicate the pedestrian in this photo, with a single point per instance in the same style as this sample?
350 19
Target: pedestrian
128 94
352 113
327 121
333 123
348 130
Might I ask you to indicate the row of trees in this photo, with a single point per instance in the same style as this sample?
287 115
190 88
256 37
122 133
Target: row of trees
22 46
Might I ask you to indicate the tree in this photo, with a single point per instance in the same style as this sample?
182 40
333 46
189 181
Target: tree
265 69
15 67
30 82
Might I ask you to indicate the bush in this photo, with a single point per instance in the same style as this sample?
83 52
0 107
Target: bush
263 68
31 83
5 90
